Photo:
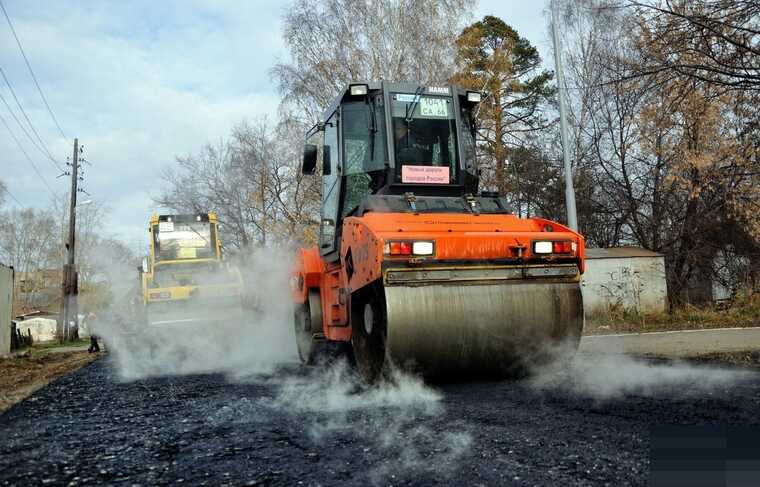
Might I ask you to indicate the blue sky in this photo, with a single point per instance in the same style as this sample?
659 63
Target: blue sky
140 82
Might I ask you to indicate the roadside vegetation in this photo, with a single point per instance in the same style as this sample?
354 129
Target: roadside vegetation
743 311
45 347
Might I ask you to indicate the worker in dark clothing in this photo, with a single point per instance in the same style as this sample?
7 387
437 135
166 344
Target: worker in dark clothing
94 347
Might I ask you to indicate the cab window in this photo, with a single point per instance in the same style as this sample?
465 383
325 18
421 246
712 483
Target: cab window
330 188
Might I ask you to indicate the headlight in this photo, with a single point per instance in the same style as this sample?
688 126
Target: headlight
358 90
542 247
422 248
409 247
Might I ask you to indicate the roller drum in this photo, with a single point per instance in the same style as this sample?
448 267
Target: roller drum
482 329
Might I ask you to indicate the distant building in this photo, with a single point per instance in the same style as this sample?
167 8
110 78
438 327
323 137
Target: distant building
42 329
628 278
39 290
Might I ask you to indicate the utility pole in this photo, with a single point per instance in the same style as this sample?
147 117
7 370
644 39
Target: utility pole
263 208
572 218
69 285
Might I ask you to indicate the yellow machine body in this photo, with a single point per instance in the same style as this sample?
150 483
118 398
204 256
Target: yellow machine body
185 278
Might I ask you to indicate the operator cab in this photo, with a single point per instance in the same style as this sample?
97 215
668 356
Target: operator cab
395 147
178 238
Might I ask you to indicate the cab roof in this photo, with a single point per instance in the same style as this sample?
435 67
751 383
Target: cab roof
396 87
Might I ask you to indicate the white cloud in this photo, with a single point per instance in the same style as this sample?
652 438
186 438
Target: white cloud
140 82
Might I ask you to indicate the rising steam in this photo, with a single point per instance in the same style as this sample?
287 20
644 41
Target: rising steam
258 342
390 420
611 376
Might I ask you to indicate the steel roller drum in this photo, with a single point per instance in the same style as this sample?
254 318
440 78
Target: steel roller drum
482 330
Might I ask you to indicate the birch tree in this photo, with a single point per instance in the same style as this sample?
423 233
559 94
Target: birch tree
334 42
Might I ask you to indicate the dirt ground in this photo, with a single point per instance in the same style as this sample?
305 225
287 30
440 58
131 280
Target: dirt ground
23 374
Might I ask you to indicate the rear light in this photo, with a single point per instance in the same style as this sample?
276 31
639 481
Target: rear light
409 247
564 247
400 248
547 247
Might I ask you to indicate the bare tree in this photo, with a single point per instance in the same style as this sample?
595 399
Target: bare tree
333 42
716 41
27 242
672 155
208 181
3 192
253 181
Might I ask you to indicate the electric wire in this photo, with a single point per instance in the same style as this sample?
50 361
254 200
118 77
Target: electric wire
34 166
31 125
8 192
26 132
31 71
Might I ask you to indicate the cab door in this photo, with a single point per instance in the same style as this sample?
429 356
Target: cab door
331 188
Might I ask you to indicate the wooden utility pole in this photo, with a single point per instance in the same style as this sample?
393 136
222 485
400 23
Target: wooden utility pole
263 208
69 284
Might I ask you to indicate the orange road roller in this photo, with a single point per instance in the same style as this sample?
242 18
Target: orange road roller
416 269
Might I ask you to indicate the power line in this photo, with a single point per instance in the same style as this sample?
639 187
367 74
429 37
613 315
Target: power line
34 166
8 192
31 71
31 125
26 132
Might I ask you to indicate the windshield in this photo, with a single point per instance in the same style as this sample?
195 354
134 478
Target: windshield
363 137
364 150
424 136
184 240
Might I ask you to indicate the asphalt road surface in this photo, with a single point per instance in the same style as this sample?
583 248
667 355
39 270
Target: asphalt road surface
587 425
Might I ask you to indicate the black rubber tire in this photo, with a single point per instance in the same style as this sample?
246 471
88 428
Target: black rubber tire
310 349
368 332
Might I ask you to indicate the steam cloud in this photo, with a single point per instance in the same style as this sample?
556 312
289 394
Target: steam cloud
390 419
610 376
256 344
